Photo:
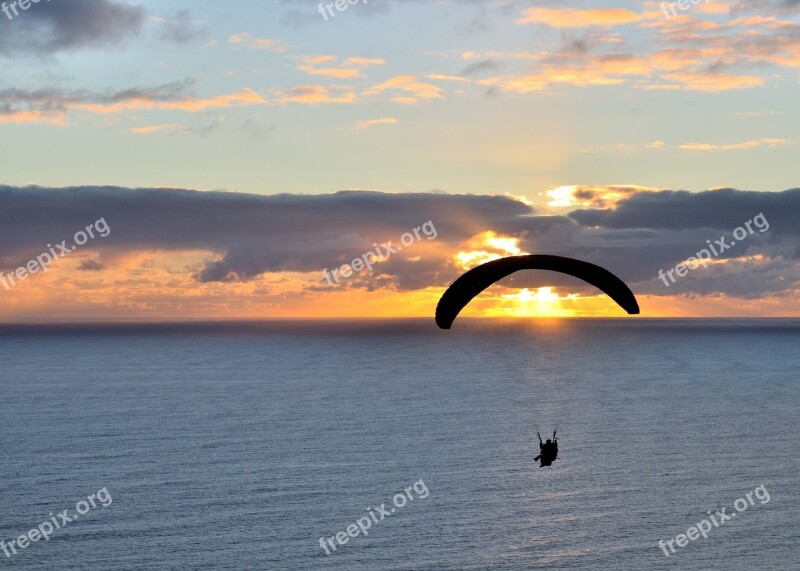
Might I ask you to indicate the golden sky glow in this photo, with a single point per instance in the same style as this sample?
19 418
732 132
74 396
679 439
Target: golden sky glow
486 247
149 287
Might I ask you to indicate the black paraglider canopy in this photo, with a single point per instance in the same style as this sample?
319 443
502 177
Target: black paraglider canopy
472 283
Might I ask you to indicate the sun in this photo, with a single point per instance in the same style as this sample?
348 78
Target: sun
541 302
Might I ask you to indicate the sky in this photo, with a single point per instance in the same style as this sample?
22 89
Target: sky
231 157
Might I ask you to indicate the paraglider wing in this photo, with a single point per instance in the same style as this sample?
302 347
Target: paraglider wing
472 283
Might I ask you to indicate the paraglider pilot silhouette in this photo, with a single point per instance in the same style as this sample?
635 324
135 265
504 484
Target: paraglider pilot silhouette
478 279
548 451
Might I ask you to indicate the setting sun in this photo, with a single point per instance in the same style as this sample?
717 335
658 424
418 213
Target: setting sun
541 302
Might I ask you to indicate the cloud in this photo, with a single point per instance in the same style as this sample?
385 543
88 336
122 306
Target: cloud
175 129
594 196
254 129
633 231
245 235
575 18
337 72
361 125
720 209
364 61
53 27
316 94
246 40
51 105
766 6
708 81
148 129
443 77
410 85
681 223
598 70
735 146
351 68
699 52
91 266
480 67
182 28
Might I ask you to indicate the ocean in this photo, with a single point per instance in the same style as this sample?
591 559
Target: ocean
254 445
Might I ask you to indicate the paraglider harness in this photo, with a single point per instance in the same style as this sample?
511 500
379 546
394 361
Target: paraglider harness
548 452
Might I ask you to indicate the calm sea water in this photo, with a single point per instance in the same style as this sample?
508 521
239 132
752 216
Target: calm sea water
238 446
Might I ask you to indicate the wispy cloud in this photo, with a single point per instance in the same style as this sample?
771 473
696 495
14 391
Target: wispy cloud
444 77
316 94
413 88
576 18
361 125
182 28
53 106
351 68
148 129
735 146
246 40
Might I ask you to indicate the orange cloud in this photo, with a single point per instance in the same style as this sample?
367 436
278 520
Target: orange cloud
708 81
364 62
592 196
337 72
245 40
575 18
348 70
244 97
315 95
361 125
596 70
153 129
717 8
736 146
486 247
32 117
691 47
409 84
440 77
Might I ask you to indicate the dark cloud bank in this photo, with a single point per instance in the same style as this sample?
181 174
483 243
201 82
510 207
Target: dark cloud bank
51 27
252 234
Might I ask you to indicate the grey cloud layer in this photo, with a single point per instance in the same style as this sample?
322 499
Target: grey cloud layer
681 222
248 235
252 234
722 209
